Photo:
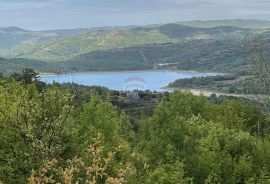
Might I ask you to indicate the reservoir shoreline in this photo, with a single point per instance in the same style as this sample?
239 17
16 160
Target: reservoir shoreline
153 80
130 71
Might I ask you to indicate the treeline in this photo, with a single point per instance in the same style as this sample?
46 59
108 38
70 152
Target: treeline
214 83
222 83
10 66
59 134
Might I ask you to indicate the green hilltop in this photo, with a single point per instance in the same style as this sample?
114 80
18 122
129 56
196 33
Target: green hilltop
202 45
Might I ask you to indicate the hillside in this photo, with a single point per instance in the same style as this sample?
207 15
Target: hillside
9 66
201 55
60 45
64 49
11 37
194 55
165 46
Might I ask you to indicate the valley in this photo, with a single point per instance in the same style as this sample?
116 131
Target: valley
207 46
203 46
134 92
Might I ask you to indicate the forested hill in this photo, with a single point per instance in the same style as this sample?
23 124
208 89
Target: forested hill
9 66
208 45
13 36
65 44
201 55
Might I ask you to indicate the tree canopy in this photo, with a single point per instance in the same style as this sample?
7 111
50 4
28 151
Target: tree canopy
61 134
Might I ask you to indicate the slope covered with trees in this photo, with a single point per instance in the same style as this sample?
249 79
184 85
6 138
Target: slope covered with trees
62 45
68 134
207 45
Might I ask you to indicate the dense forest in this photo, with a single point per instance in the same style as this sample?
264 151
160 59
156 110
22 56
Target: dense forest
74 134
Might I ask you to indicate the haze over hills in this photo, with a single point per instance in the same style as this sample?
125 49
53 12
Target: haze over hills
13 36
242 23
200 45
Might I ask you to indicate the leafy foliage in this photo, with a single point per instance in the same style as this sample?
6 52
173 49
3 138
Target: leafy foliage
95 168
214 142
45 138
34 125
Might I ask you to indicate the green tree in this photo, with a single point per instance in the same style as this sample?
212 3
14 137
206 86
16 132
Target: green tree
214 142
27 76
94 168
34 128
169 174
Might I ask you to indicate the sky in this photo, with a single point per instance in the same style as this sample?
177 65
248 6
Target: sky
63 14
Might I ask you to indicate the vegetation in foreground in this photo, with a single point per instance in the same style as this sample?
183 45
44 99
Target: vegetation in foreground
48 138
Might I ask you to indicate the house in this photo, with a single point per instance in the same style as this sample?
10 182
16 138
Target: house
134 96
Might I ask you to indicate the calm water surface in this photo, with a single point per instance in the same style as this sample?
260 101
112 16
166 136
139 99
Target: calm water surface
124 80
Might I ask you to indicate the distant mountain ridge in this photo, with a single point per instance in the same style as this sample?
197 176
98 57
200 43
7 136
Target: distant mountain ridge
60 45
241 23
201 45
13 29
13 36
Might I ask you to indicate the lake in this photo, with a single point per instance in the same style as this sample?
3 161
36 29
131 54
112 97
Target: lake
124 80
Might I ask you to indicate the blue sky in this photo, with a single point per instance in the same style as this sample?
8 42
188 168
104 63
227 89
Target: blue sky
57 14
